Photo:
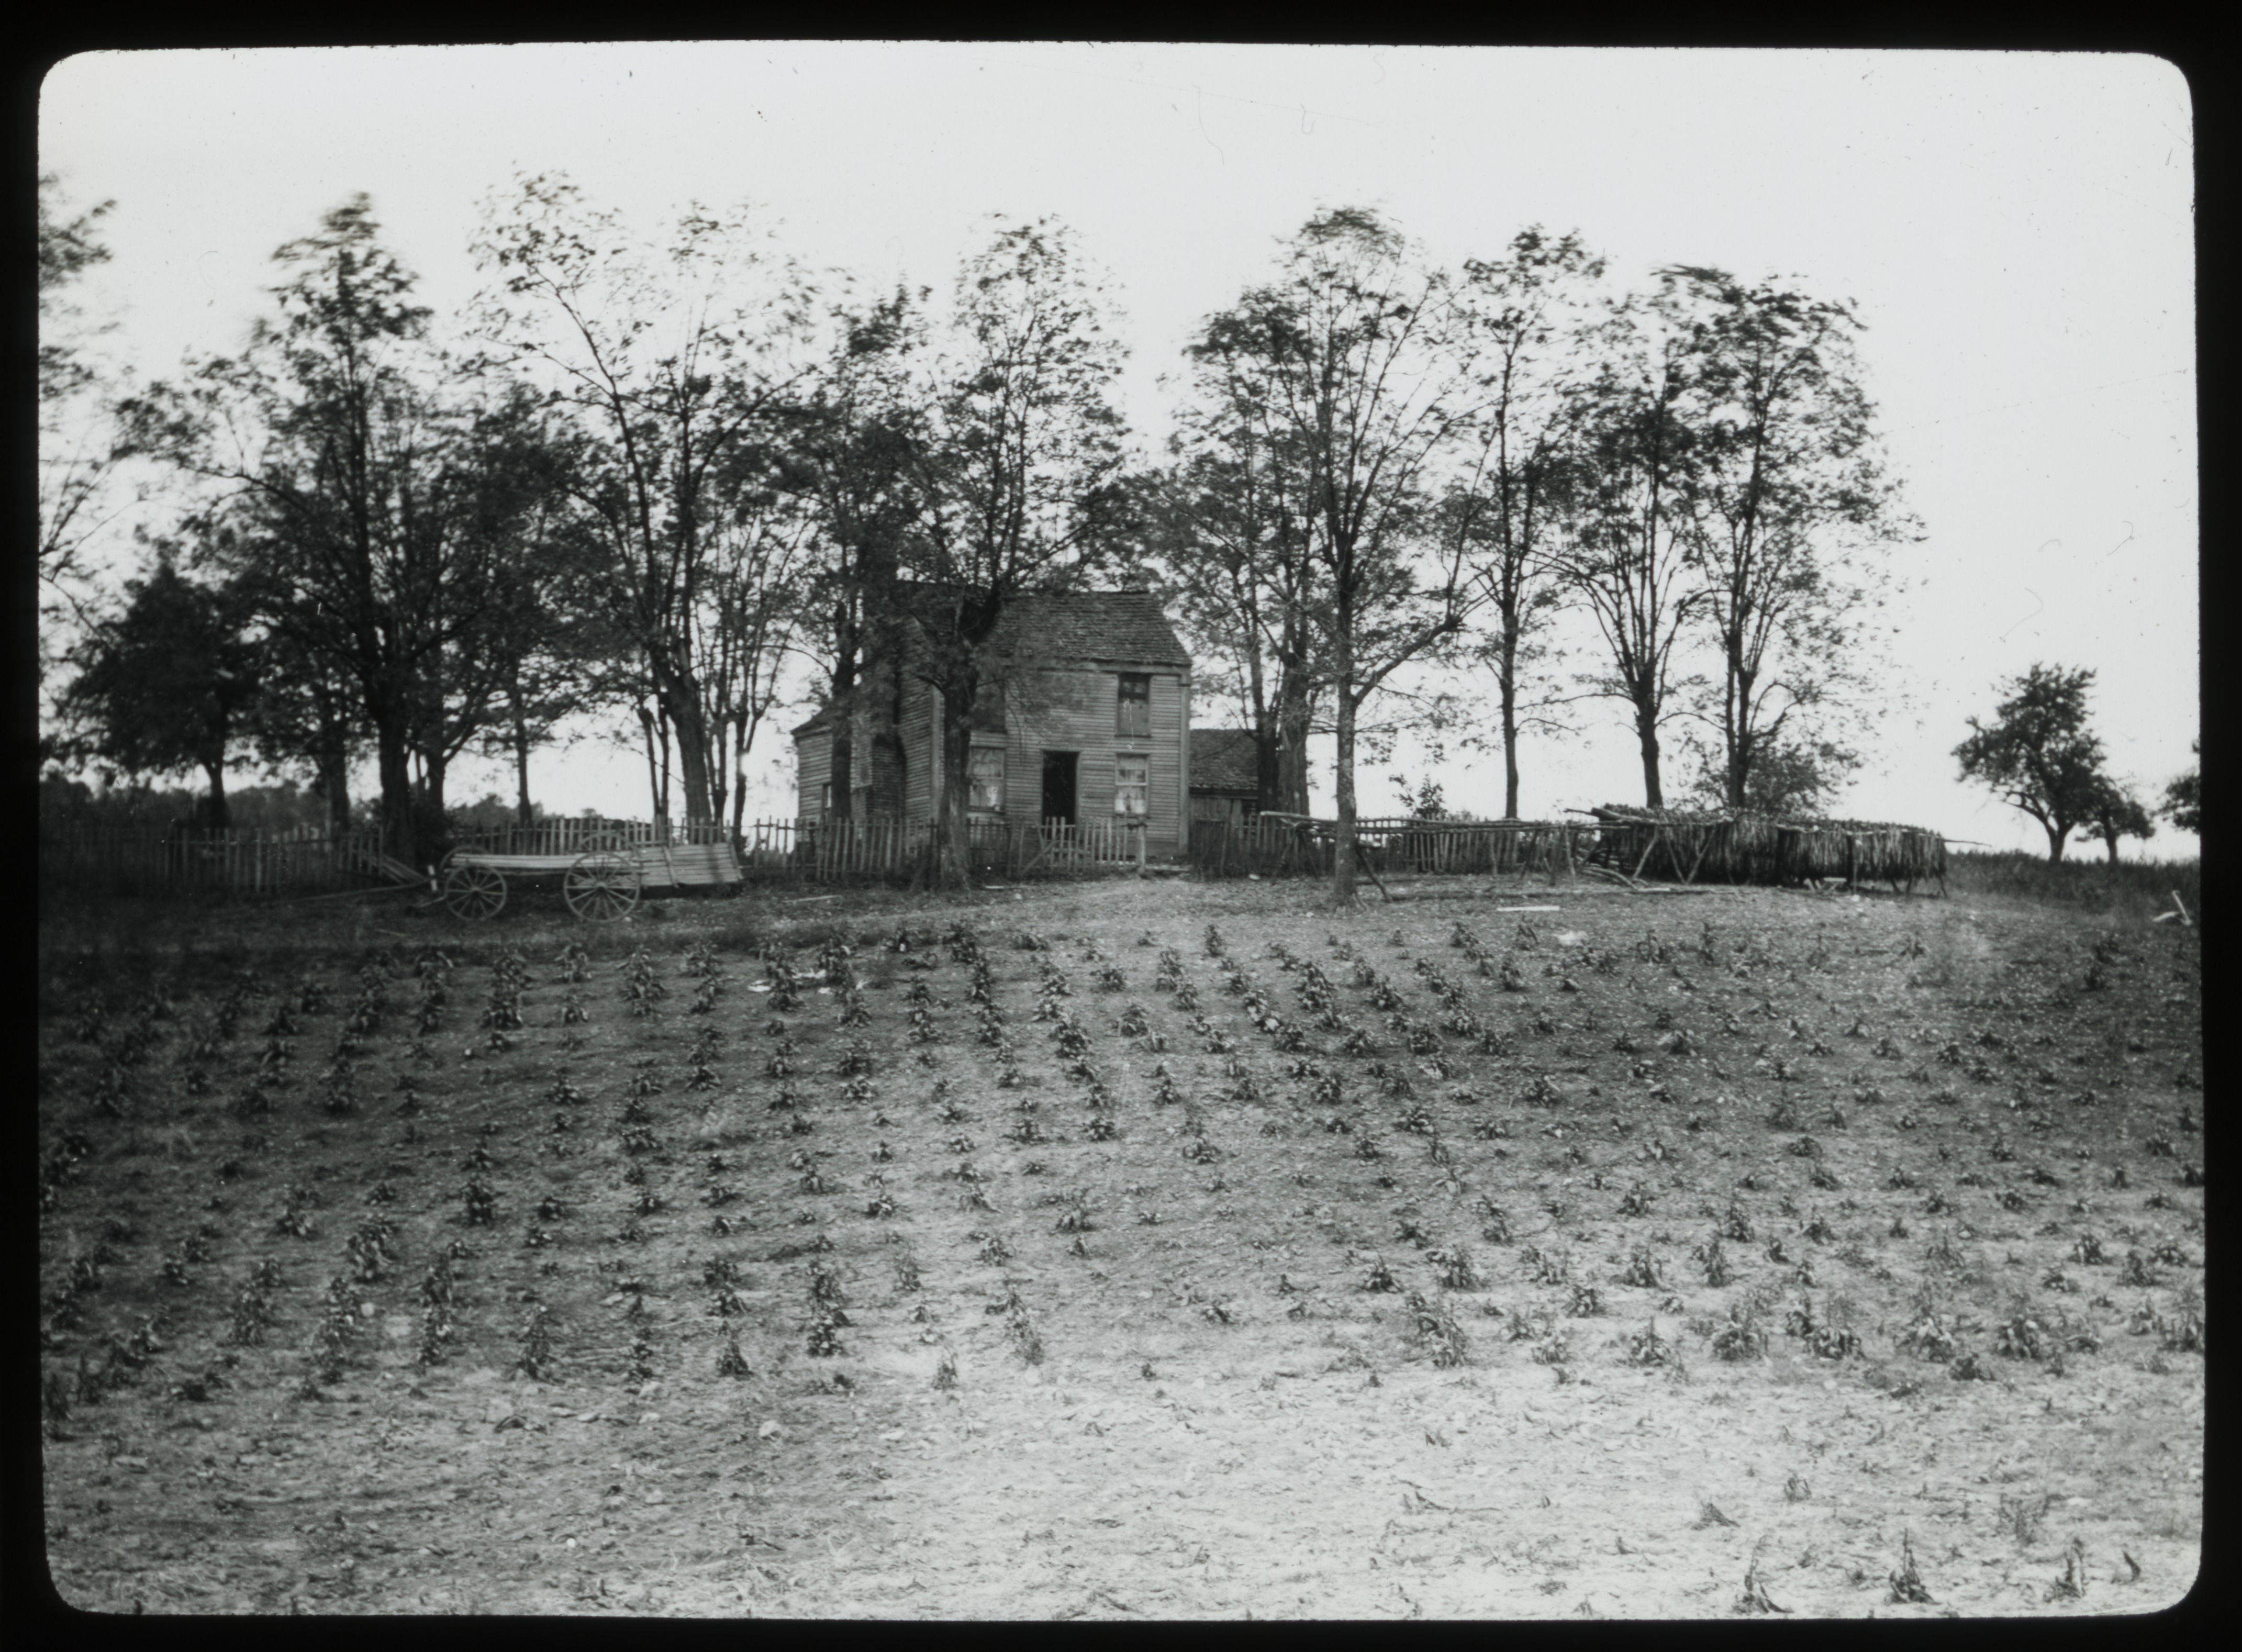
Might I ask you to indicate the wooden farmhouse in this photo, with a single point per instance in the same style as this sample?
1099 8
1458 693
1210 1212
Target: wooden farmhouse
1087 732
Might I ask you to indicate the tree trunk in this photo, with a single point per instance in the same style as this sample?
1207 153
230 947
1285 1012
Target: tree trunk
2110 839
1343 763
841 745
1343 779
653 767
951 826
524 810
691 731
334 784
1646 727
220 816
437 767
1509 687
330 763
1293 749
2055 837
394 761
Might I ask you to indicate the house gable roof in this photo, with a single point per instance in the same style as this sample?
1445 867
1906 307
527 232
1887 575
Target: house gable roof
1224 760
1058 628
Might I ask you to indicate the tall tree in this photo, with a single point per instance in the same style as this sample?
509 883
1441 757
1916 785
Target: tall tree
857 461
675 361
1787 501
1527 311
1371 378
374 495
1231 510
80 450
2036 752
161 686
307 711
1020 477
1628 553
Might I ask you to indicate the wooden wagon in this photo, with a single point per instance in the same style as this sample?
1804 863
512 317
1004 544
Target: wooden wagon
599 885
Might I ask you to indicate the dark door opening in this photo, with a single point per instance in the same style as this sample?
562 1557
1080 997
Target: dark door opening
1058 785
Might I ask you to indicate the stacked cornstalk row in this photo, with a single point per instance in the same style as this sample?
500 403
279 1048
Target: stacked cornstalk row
1756 848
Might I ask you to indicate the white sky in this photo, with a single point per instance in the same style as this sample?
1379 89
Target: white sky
2017 229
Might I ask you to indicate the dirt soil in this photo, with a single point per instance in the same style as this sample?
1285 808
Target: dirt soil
1656 1256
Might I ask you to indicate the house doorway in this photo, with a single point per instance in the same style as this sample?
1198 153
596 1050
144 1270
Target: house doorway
1058 785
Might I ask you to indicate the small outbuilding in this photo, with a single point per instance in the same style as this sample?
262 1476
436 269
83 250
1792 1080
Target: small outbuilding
1224 782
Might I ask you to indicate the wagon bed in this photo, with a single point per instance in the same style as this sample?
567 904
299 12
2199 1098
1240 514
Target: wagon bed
599 883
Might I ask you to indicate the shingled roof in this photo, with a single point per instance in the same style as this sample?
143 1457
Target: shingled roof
1065 627
1224 760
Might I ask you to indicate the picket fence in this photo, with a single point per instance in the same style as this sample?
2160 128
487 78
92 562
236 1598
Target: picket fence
313 860
308 858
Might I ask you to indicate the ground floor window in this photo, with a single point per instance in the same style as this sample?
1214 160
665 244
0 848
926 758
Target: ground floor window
1131 782
984 780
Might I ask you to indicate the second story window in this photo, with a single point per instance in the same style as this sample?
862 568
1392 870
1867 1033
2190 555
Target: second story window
1134 716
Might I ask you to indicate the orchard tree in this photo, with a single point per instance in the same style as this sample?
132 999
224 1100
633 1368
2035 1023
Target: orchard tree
162 688
1020 476
2118 813
2182 802
2037 753
1787 505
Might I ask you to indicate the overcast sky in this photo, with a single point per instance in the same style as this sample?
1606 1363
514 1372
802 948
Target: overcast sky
2016 230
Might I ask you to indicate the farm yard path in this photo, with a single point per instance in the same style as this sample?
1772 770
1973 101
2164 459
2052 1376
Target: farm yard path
1634 1262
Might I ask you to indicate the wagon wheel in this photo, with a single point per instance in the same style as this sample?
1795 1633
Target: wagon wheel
473 891
601 885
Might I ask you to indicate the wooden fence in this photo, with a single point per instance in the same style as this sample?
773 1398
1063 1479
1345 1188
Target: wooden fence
582 835
1757 849
838 851
1283 845
302 860
313 860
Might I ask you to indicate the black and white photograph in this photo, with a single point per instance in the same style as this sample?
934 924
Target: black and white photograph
1062 832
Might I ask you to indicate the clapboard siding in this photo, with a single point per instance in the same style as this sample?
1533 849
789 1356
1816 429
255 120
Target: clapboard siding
1045 711
814 766
922 749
